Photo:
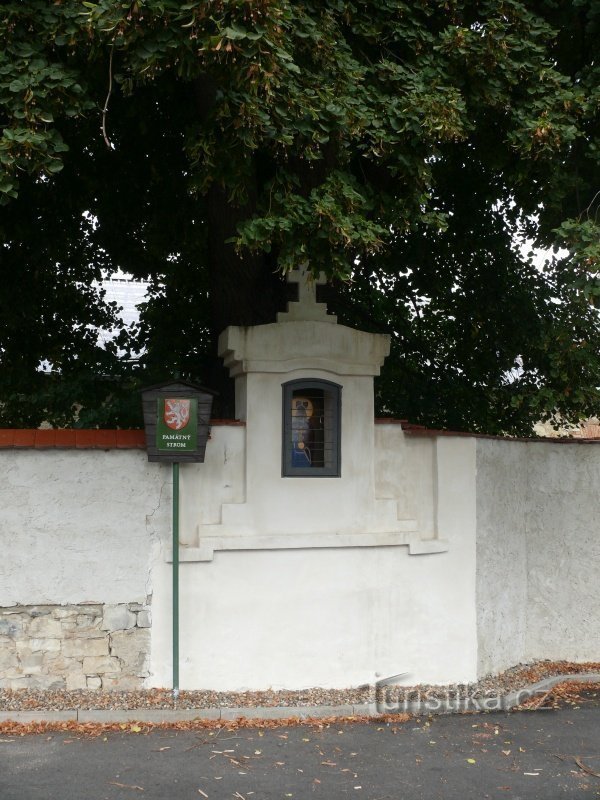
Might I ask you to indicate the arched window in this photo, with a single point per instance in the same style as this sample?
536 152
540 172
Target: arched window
311 429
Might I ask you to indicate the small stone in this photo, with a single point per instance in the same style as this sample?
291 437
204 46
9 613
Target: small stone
40 611
8 628
99 665
63 612
32 663
45 627
8 658
87 621
57 664
143 619
45 682
94 610
45 645
94 683
81 647
132 648
117 618
76 680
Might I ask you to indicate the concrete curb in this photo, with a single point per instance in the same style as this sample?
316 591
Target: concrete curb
515 698
461 705
39 716
458 705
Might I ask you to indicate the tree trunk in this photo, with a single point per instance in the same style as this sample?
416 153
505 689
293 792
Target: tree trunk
244 290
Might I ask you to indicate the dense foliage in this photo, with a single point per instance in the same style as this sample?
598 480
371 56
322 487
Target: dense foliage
210 146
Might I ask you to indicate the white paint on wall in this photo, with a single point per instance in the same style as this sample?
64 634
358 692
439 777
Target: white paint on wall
501 554
538 586
205 488
563 552
405 471
332 616
80 526
77 525
319 617
264 358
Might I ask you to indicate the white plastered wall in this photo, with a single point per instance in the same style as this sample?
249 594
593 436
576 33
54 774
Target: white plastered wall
501 555
79 525
220 480
406 471
321 581
332 616
265 357
538 552
95 526
277 504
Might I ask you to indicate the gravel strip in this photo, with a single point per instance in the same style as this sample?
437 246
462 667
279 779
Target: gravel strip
511 680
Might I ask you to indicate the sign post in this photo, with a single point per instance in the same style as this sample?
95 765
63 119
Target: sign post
175 661
176 419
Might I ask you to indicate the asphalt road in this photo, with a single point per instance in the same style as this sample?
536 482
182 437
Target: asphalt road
519 756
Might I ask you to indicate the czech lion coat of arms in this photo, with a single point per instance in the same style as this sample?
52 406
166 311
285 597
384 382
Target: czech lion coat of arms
177 413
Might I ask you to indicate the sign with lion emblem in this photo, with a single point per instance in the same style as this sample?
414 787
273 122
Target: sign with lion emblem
177 424
177 413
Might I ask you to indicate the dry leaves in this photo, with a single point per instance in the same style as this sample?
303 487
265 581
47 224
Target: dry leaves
570 692
11 728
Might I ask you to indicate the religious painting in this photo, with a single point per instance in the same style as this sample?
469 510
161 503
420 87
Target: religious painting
311 428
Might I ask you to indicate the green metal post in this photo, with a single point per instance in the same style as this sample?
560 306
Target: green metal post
175 579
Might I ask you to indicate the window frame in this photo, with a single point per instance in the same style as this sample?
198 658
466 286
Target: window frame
334 470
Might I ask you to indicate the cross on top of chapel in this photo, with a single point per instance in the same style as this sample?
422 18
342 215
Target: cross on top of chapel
306 307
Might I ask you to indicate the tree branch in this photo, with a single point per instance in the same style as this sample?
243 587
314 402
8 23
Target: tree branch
107 141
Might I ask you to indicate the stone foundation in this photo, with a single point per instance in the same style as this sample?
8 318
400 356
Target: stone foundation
84 646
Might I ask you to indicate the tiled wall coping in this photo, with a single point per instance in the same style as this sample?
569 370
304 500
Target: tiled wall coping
422 430
94 439
81 439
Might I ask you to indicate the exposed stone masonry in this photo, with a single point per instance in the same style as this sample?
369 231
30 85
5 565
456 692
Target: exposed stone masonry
85 646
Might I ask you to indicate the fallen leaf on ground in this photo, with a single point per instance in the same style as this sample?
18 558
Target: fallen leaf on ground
126 786
213 727
585 768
